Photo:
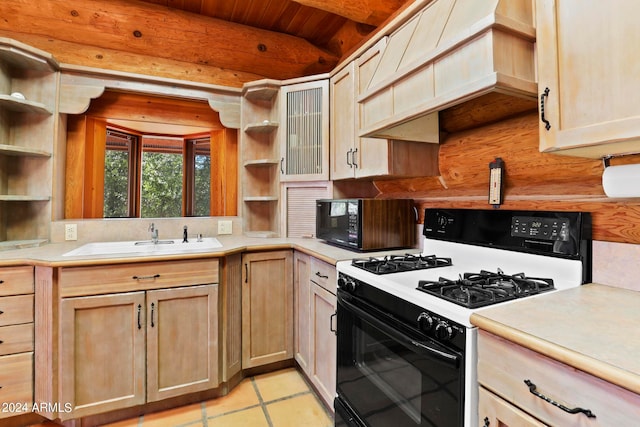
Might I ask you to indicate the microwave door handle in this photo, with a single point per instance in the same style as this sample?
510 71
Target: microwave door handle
422 347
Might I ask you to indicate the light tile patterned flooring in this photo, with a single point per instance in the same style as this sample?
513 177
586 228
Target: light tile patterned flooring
277 399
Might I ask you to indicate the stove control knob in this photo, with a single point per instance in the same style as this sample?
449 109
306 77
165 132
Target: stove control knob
346 283
444 332
425 322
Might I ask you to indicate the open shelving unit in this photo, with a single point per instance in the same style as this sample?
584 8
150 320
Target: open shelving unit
260 159
28 127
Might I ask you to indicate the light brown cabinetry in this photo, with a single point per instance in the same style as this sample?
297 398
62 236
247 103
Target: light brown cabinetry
304 141
506 397
315 323
356 157
267 307
585 83
16 339
27 133
102 357
260 158
302 298
156 339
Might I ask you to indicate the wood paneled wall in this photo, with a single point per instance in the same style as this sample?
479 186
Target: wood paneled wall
533 180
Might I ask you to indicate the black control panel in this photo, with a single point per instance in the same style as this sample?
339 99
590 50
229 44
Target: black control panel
563 234
554 229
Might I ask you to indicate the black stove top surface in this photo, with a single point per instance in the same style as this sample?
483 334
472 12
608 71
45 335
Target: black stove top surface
473 290
400 263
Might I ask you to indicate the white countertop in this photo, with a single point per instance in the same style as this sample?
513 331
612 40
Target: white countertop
593 328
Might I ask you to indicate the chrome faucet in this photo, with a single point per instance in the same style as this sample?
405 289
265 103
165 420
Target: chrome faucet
154 233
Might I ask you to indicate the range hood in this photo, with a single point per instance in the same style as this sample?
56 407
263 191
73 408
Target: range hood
449 53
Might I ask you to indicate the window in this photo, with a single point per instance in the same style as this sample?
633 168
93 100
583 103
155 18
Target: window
119 168
156 176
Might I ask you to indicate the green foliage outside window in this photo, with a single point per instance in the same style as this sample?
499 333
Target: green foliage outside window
116 184
161 193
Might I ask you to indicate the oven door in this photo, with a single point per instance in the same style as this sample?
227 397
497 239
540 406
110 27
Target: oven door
391 375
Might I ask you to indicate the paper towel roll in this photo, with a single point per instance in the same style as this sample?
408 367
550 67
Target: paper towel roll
621 181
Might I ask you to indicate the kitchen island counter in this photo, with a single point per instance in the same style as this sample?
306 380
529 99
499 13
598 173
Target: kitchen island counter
593 328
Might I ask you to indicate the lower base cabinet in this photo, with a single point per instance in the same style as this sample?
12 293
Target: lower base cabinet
315 287
497 412
267 307
121 350
324 343
506 397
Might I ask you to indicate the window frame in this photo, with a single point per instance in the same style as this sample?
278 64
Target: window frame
188 151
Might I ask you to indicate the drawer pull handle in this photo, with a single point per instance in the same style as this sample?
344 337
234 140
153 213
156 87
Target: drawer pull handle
155 276
547 125
331 328
1 282
532 390
153 306
1 312
246 273
139 310
322 276
1 342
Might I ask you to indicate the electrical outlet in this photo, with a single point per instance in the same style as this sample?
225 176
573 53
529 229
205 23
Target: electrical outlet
70 232
225 227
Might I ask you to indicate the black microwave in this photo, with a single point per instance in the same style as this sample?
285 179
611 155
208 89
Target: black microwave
366 224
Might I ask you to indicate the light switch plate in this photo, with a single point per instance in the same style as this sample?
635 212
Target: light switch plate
70 232
225 227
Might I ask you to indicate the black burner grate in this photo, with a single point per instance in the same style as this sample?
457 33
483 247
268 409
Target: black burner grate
473 290
400 263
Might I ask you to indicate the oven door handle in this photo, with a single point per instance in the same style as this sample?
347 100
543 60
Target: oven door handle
407 341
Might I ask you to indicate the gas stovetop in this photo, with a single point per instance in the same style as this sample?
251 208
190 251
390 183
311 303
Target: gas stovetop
400 263
475 290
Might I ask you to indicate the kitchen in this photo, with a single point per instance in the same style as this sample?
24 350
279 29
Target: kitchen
470 138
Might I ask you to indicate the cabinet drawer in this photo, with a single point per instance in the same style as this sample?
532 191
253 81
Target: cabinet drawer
77 281
16 338
612 405
15 310
16 380
324 274
16 280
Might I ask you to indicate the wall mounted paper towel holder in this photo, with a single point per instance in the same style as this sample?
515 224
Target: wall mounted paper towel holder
620 181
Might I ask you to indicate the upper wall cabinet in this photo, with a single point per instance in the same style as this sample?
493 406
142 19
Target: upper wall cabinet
588 77
356 157
304 142
449 53
28 125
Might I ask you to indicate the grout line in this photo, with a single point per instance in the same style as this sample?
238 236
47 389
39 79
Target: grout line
233 411
203 408
261 400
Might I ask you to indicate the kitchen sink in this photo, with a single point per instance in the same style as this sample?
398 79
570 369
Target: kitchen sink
146 247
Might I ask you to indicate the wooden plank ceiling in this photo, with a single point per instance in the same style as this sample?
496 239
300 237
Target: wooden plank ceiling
226 42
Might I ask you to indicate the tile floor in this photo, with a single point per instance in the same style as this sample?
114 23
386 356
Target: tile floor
277 399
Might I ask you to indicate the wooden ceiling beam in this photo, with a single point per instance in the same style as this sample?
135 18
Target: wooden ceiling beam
157 31
371 12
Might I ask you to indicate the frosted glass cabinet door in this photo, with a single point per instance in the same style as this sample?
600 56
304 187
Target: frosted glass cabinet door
305 137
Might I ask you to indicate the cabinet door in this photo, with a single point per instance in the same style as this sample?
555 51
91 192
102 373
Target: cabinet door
343 131
494 411
305 138
323 375
372 155
102 356
302 303
267 308
590 76
182 341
